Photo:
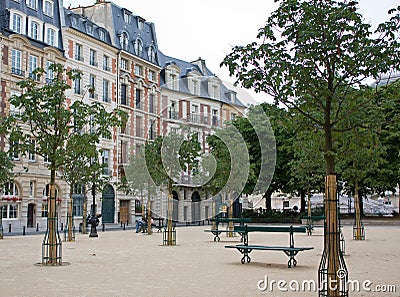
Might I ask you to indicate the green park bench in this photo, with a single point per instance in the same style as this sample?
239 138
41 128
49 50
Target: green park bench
310 225
216 232
291 251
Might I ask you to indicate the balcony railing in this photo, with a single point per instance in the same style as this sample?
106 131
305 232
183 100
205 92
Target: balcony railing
17 71
94 63
79 58
172 114
106 68
106 99
34 76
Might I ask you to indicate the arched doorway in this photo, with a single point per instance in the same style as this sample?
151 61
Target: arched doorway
195 207
175 206
108 204
31 215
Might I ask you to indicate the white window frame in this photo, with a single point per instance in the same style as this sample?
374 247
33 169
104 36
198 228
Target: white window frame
152 54
138 70
79 52
17 22
105 160
31 154
138 47
48 38
106 91
33 65
48 8
93 57
16 59
49 73
32 4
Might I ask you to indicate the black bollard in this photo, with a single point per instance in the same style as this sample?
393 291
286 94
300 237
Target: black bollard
37 227
121 224
9 228
103 227
62 226
124 226
23 230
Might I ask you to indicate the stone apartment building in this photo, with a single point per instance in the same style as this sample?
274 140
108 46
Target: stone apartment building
118 54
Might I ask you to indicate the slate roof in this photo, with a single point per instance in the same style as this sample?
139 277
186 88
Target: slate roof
185 66
147 35
82 24
6 5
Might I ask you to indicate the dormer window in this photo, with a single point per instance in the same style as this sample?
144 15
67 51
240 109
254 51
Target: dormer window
138 47
123 40
173 79
127 17
102 35
48 8
152 54
16 23
74 22
32 4
141 23
89 29
196 87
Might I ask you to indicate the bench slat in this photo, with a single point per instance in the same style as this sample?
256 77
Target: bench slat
297 229
270 248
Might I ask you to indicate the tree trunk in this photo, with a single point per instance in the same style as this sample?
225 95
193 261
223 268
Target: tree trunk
330 284
358 232
268 200
302 201
69 214
84 214
361 202
50 242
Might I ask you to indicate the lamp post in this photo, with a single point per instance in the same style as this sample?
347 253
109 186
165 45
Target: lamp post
93 219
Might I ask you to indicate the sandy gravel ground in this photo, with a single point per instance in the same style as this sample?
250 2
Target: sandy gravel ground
123 263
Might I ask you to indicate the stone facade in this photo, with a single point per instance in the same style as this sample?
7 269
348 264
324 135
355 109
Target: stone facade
118 54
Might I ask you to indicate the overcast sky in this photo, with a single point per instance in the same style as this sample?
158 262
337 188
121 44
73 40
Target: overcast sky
209 28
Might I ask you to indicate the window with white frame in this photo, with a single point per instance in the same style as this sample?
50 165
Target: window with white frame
33 64
152 75
13 150
78 199
152 54
48 8
16 24
78 86
78 52
151 103
14 110
196 89
11 189
31 151
124 94
123 40
49 72
105 159
138 70
46 159
138 47
34 30
32 188
138 98
124 64
140 23
32 4
93 57
89 29
173 79
10 211
106 62
51 37
16 62
106 90
102 35
127 17
92 83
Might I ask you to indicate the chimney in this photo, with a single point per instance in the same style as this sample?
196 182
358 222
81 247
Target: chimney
201 64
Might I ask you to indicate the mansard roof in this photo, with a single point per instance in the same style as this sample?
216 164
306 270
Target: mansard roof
206 74
86 26
56 20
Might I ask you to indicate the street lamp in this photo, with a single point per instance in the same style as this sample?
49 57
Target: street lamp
93 219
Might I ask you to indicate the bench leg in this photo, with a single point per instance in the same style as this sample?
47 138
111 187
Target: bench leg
244 258
292 262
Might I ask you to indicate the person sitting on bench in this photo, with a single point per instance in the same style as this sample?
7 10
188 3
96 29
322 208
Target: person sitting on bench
140 225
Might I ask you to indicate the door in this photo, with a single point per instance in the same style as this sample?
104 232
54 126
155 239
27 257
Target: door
108 204
124 211
31 215
195 207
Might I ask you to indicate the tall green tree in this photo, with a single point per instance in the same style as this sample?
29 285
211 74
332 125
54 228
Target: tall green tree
48 118
166 159
309 55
